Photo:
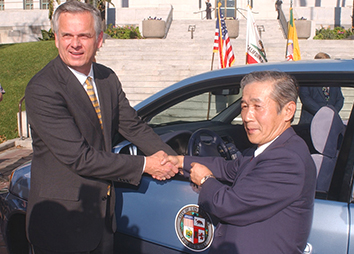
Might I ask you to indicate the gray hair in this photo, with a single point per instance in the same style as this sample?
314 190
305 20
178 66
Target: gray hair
74 6
284 86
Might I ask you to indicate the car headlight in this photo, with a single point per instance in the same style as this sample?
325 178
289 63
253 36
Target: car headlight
20 180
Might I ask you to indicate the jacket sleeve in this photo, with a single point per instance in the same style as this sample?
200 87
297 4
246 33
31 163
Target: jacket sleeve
137 131
275 181
63 133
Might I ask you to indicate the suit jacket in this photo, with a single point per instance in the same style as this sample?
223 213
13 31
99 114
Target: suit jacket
268 206
72 164
312 99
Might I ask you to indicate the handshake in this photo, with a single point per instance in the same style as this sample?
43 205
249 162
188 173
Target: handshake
162 166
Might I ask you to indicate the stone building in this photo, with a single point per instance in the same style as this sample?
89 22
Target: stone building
22 20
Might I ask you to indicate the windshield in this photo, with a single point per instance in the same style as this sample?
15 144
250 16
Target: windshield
198 108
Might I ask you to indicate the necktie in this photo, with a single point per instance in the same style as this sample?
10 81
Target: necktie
91 93
325 90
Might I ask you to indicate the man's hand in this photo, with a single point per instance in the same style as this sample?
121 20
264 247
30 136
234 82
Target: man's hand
159 167
198 172
176 160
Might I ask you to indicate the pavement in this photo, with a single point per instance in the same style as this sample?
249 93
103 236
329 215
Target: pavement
13 153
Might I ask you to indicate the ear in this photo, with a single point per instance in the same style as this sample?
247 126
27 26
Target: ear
100 40
56 40
289 110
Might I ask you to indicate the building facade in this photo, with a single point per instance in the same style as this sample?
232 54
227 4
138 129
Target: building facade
22 20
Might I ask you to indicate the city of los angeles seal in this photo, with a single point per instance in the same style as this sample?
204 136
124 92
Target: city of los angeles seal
194 228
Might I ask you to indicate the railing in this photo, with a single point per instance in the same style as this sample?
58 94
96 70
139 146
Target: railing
169 21
283 22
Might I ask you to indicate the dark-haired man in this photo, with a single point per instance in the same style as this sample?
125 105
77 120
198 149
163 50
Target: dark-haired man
267 206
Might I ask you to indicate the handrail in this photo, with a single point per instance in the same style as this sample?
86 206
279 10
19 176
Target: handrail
283 22
168 21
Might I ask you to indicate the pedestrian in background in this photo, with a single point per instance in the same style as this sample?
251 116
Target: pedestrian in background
313 98
2 91
208 9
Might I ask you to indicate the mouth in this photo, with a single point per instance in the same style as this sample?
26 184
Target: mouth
251 130
75 54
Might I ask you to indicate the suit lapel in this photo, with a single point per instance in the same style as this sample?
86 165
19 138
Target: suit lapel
248 162
104 95
78 95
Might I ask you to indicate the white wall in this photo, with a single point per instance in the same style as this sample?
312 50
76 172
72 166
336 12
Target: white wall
22 25
18 25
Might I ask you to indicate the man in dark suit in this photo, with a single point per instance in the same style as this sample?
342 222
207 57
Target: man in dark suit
75 107
208 9
267 205
314 98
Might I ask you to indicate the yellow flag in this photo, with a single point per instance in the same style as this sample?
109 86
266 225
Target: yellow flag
292 47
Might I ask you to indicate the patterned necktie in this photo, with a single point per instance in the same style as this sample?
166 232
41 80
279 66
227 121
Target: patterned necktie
91 93
325 90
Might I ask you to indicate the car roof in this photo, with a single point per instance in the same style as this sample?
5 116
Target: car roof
311 72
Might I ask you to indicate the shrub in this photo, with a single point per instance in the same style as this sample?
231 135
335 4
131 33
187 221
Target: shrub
47 35
124 32
337 33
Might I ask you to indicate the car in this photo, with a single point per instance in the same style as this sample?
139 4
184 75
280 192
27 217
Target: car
201 116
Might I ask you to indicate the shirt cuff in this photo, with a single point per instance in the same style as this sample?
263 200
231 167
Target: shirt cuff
144 165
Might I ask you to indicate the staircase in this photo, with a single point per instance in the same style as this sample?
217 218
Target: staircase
146 66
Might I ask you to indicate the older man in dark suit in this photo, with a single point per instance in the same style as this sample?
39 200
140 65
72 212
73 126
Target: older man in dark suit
267 205
75 107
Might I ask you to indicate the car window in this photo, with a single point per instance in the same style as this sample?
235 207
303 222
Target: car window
324 132
344 112
198 108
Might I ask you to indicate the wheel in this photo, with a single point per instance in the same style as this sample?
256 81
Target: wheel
204 142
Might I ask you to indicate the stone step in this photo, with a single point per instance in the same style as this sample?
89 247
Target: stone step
146 66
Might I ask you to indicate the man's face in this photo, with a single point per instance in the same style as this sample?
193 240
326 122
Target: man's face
76 40
260 115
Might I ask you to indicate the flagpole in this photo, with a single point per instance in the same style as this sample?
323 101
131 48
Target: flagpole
248 5
209 98
211 68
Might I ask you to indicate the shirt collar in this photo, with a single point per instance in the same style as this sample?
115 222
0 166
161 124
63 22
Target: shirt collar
82 77
261 148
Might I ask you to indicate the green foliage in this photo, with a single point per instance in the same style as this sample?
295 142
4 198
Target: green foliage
124 32
19 63
51 8
47 35
337 33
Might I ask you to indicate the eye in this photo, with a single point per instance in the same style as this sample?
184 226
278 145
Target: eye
66 36
244 106
85 36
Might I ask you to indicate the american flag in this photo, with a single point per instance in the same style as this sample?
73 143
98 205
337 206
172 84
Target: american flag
222 42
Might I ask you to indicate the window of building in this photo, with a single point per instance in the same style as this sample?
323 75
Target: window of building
228 8
45 4
2 5
125 3
28 4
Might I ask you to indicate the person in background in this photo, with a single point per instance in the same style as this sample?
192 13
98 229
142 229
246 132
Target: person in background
2 91
264 199
75 107
278 4
313 98
208 9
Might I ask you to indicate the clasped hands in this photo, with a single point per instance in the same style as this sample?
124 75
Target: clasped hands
162 166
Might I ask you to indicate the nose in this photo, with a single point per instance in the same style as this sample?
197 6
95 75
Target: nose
75 42
247 115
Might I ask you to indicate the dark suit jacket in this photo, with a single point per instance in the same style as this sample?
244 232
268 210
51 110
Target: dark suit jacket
72 162
268 206
312 99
